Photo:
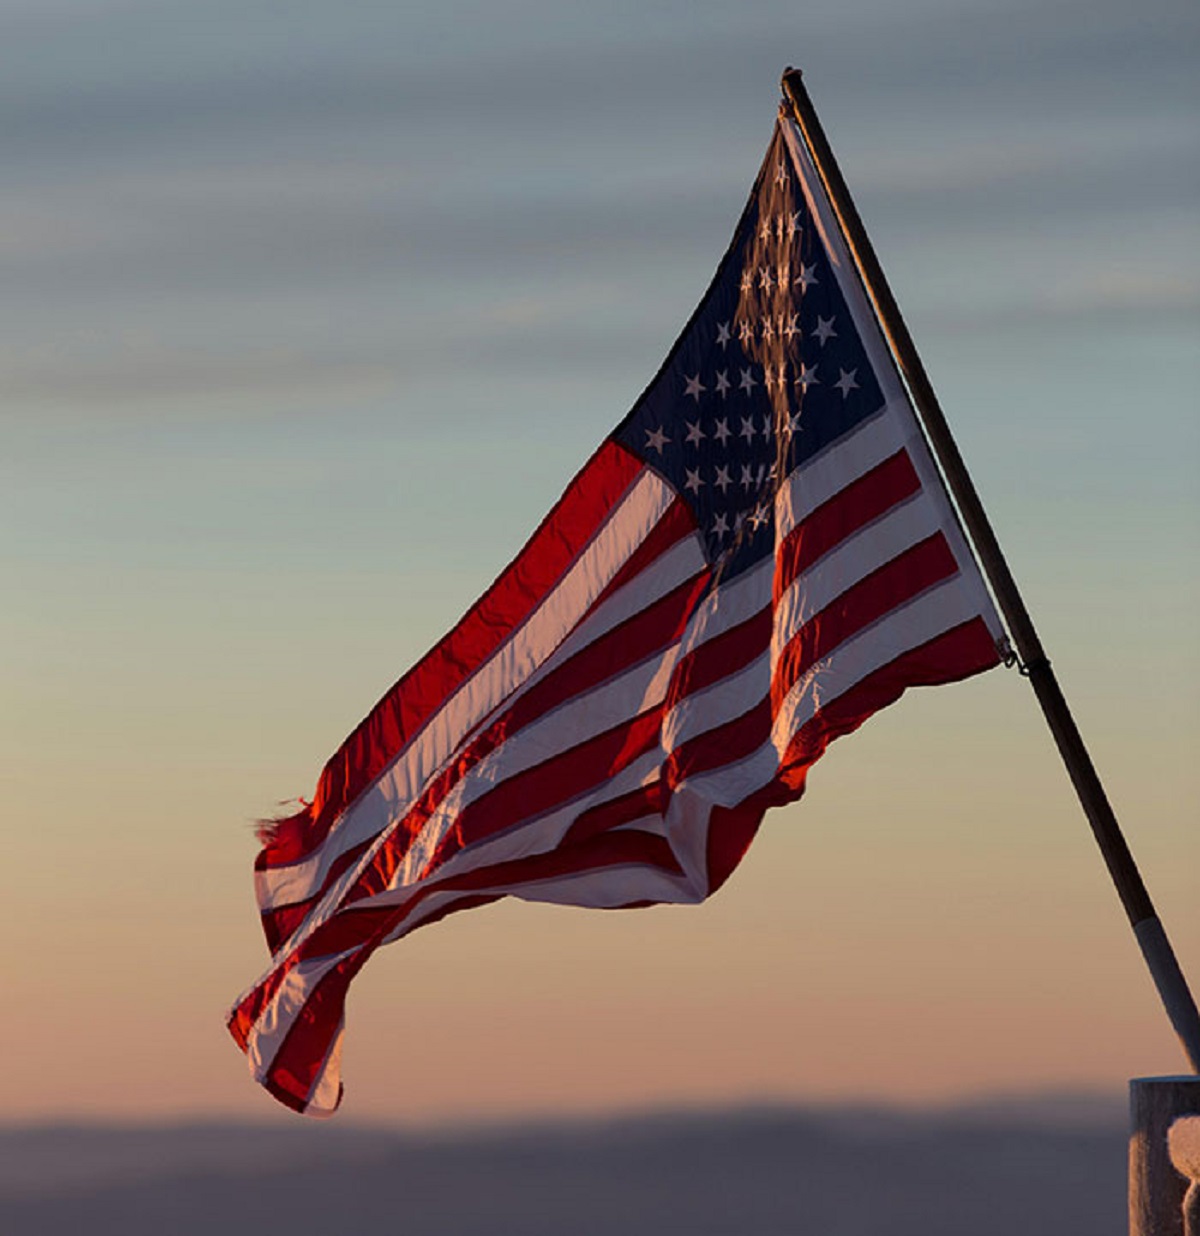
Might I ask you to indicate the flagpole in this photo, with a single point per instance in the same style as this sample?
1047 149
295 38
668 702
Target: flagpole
1152 939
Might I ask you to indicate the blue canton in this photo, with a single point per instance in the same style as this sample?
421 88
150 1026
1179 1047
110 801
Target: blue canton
768 372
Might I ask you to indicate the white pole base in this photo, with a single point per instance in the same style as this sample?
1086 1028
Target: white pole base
1164 1156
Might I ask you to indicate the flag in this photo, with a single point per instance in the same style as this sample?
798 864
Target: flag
759 556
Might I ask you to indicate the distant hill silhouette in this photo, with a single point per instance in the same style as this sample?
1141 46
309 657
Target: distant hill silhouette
1054 1168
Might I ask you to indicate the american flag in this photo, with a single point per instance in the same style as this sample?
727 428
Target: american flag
759 556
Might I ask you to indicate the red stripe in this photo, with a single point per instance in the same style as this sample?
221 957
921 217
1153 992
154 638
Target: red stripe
966 649
722 655
850 509
405 709
904 577
725 744
279 924
307 1042
646 800
558 780
281 921
732 829
645 634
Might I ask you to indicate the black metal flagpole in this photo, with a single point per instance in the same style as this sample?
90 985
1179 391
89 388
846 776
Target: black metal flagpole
1156 948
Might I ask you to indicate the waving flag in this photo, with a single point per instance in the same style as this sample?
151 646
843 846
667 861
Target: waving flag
757 558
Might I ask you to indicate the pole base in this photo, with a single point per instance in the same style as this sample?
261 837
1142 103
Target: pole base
1164 1196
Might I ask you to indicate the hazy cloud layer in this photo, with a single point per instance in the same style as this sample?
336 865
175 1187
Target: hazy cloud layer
856 1173
231 179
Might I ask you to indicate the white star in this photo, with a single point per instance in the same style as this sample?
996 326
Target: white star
739 521
846 382
722 482
721 433
765 280
764 230
793 225
723 334
825 331
657 439
747 477
792 327
747 430
781 176
767 428
747 280
720 525
760 516
806 276
693 481
808 376
768 328
722 382
695 435
794 423
747 383
746 331
695 388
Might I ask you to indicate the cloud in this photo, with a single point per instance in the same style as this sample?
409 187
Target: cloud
136 374
321 200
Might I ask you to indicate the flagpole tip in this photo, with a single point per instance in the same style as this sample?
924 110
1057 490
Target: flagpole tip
791 84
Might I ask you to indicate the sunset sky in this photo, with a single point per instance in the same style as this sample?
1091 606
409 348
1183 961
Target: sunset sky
309 311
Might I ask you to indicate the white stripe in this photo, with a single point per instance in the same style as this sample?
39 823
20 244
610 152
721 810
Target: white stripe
733 783
580 719
326 1090
729 605
683 561
688 816
867 550
826 474
494 683
593 888
719 703
283 1008
608 887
